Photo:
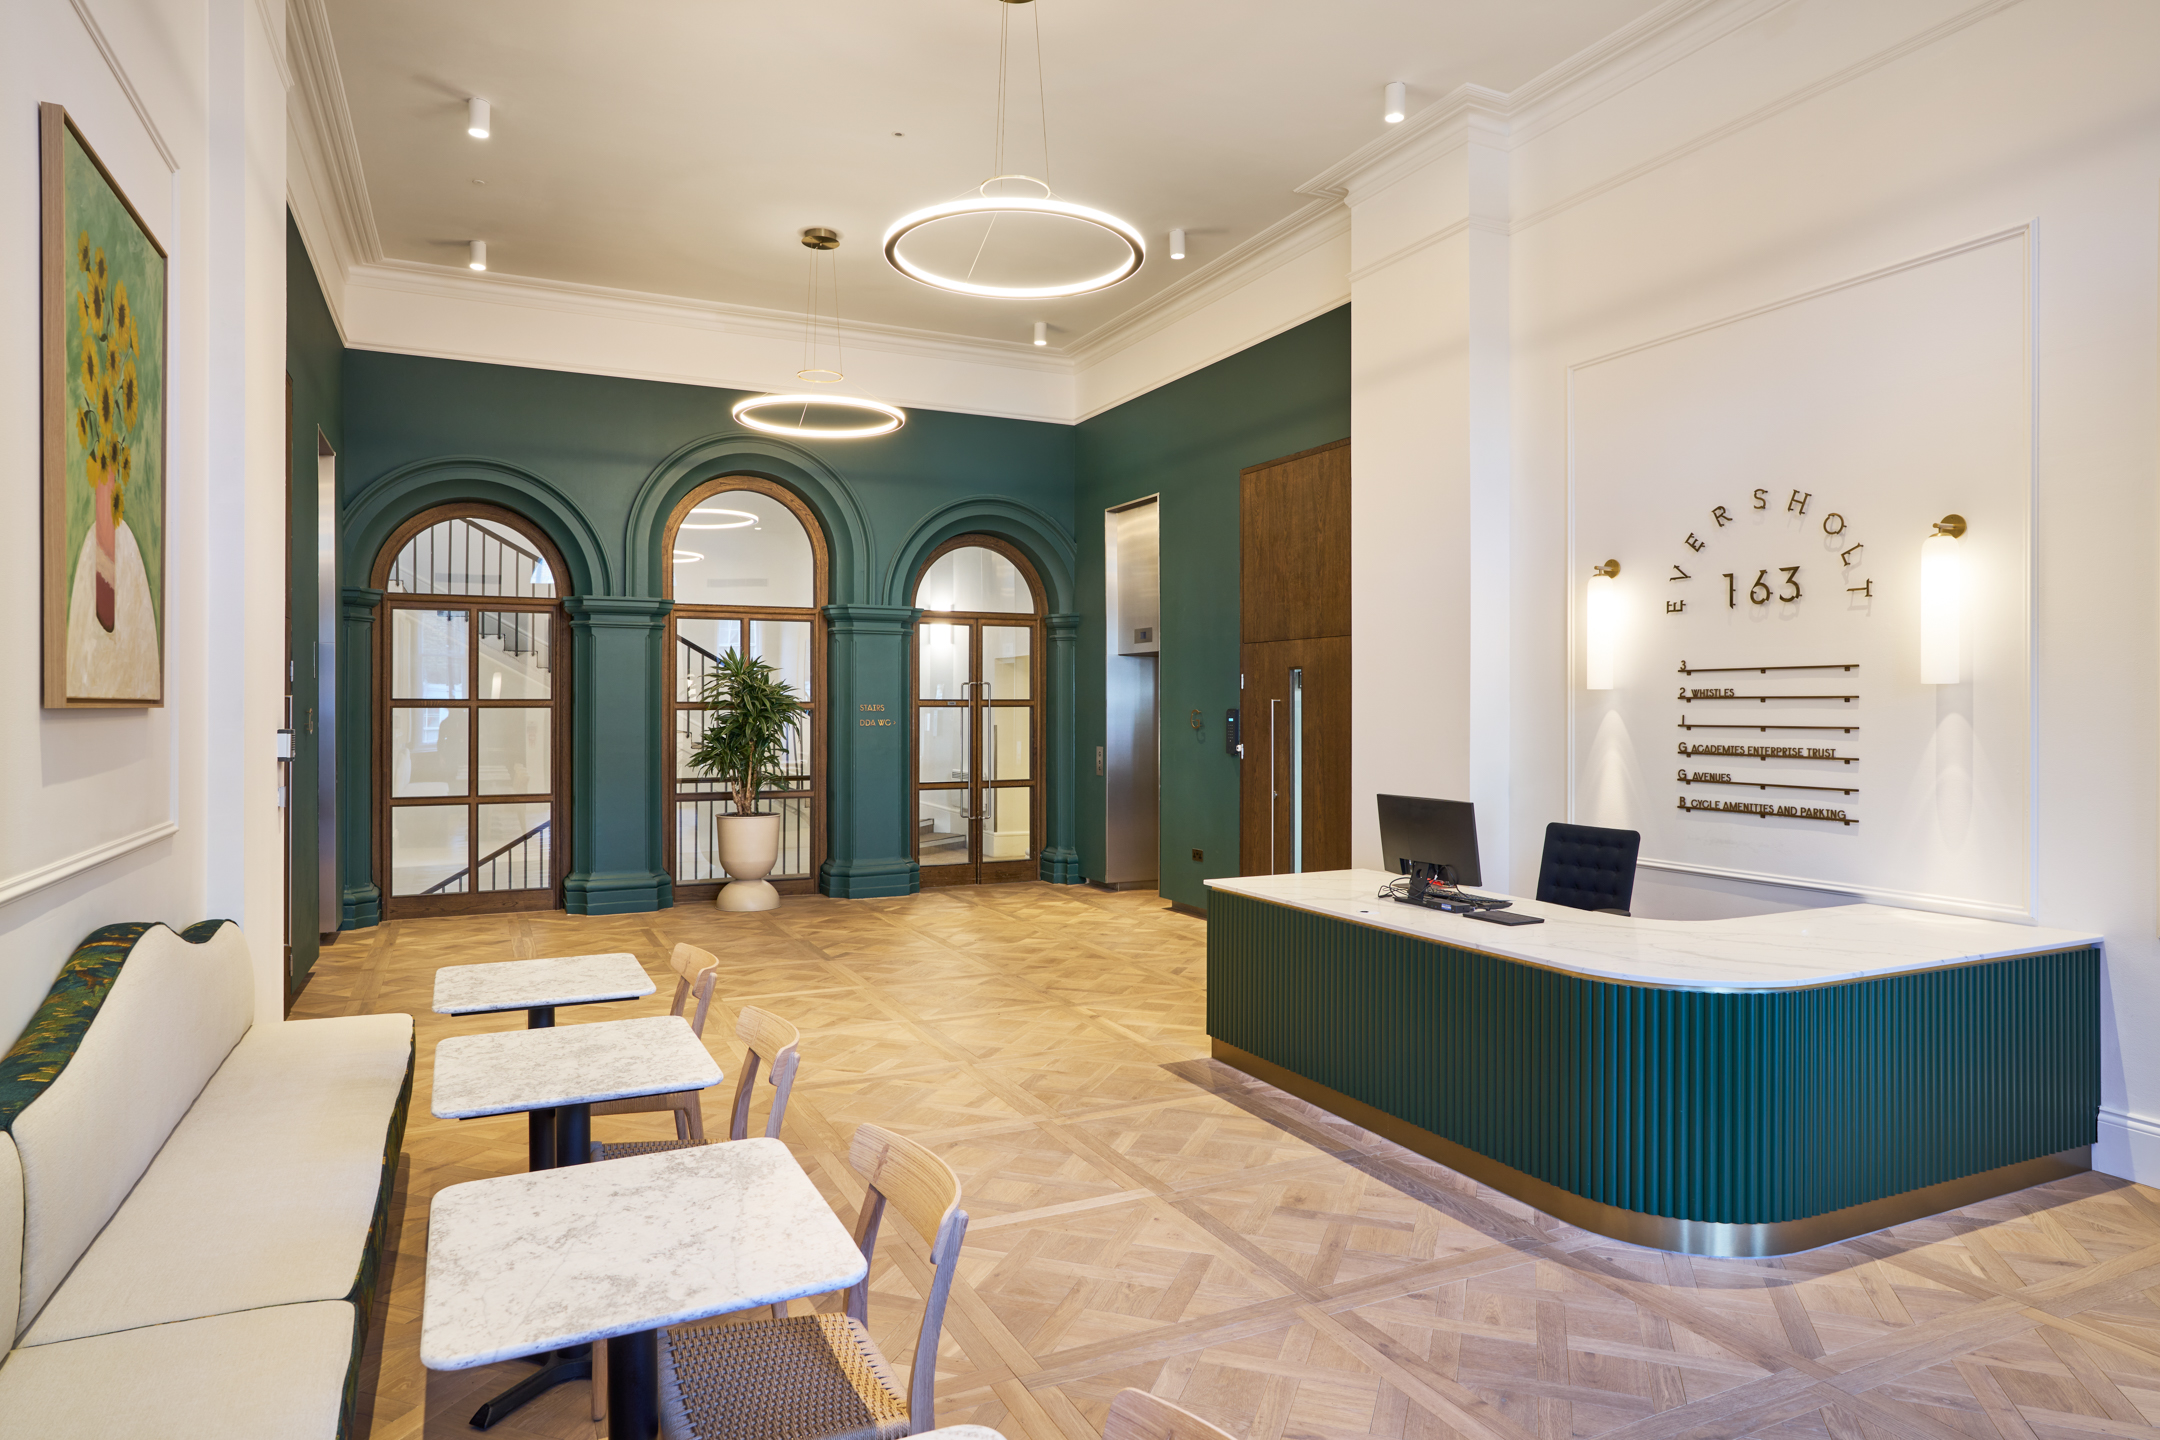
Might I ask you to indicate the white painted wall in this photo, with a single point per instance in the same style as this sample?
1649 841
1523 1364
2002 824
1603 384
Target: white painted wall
1749 153
166 814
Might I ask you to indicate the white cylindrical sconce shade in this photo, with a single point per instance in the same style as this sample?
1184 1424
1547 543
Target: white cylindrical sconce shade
1397 93
477 257
477 112
1942 605
1177 244
1042 332
1601 626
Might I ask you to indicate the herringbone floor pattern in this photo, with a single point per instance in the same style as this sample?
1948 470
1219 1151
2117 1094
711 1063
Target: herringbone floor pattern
1144 1216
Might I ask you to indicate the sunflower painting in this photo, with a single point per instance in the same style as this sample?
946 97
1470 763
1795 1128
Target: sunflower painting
104 342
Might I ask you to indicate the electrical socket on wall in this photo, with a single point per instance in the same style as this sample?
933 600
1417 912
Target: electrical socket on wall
1199 855
1099 749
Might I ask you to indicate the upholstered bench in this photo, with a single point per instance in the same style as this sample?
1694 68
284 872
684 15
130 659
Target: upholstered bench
192 1205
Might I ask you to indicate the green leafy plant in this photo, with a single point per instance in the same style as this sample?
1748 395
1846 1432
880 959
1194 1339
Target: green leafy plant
754 715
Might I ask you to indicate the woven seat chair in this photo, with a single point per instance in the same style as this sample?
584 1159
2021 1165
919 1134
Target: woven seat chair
695 972
1138 1415
768 1041
821 1377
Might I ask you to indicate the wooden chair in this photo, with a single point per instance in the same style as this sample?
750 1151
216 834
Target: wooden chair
1137 1415
767 1040
820 1377
696 971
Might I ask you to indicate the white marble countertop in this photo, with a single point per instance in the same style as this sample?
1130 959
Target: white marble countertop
525 984
522 1264
1790 950
509 1070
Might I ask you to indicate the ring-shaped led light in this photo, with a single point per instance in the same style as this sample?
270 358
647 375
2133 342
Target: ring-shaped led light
747 519
820 376
687 557
890 417
1015 205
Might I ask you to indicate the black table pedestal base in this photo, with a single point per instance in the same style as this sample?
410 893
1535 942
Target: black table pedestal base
557 1367
633 1386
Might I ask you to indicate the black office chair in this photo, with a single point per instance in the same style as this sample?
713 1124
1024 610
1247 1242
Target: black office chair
1588 868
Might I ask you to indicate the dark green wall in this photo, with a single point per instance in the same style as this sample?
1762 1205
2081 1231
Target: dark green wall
314 362
1187 441
597 463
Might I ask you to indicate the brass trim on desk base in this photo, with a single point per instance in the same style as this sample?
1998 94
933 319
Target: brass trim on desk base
1662 1232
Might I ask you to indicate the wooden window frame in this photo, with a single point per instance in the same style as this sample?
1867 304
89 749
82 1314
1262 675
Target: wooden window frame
978 871
820 706
474 901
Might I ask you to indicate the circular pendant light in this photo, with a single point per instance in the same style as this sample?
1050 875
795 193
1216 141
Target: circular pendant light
1047 205
743 519
769 413
747 412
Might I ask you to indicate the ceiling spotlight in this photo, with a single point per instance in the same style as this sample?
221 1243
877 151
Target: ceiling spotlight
1042 332
478 260
1177 244
1397 92
476 118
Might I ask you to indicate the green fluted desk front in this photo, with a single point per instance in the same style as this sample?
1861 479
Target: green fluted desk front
1753 1086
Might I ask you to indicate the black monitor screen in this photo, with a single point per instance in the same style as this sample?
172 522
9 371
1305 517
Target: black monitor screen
1430 832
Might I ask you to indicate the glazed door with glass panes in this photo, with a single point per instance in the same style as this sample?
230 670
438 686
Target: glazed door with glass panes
978 744
699 800
470 712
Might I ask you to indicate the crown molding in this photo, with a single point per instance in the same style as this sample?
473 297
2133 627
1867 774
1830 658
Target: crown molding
322 122
1311 225
1434 131
571 297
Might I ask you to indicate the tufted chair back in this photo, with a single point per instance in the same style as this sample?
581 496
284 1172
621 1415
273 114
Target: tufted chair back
1588 868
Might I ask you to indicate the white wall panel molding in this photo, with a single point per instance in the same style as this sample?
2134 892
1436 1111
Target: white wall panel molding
1869 894
120 77
29 882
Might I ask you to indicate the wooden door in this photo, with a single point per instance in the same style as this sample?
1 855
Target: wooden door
1294 657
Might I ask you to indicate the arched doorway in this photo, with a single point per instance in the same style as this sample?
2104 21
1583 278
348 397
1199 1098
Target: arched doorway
978 714
470 716
746 567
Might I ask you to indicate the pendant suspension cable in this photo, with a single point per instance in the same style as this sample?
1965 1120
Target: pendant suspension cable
1042 97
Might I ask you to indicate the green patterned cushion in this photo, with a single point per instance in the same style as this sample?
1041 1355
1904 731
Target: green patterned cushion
54 1033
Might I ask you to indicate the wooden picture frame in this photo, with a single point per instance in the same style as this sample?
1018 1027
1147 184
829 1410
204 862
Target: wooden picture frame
103 357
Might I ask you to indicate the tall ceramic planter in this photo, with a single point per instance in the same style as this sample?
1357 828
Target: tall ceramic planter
749 847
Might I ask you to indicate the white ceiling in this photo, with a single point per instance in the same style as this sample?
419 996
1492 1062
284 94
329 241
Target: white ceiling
677 148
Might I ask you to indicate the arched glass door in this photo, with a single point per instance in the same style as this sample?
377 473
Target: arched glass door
746 570
470 711
978 715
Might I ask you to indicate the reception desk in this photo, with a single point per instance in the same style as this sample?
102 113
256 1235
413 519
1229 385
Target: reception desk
1751 1086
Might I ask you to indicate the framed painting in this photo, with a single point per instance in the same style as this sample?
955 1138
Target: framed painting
103 279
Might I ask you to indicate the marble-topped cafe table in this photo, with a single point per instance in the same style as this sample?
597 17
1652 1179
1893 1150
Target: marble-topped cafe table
568 1068
537 987
524 1264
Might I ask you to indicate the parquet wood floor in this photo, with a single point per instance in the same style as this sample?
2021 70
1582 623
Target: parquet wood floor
1145 1216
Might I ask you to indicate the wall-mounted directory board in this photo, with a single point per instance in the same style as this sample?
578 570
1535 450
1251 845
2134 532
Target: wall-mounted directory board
1765 482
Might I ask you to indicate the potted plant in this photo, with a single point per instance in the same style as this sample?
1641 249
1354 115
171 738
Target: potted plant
754 715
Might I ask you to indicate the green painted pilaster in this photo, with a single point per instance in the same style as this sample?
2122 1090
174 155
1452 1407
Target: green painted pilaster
866 810
616 749
360 900
1060 856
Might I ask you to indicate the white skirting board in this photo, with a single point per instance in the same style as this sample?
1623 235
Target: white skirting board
2129 1147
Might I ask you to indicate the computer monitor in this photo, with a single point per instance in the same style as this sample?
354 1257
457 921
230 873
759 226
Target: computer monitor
1430 832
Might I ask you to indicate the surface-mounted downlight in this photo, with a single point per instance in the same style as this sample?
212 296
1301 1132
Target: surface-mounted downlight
744 519
1397 93
476 118
476 257
1177 244
1136 248
1042 332
890 417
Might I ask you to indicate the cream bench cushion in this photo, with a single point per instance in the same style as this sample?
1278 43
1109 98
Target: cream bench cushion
171 1017
263 1194
276 1374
